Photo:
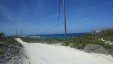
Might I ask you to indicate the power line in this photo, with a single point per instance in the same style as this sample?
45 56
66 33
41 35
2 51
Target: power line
49 29
59 11
59 3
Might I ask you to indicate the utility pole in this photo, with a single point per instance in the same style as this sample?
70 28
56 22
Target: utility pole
21 33
65 24
16 33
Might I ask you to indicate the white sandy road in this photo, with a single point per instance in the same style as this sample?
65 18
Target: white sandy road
55 54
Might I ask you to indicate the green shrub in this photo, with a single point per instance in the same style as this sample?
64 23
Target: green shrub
92 38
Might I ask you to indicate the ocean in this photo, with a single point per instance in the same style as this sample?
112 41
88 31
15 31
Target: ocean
61 35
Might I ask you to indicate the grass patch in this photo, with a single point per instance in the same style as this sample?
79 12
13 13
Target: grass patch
43 40
8 41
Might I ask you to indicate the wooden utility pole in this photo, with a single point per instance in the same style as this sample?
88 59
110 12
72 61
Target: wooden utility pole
65 24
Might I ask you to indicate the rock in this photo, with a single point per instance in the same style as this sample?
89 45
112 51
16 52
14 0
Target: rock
95 49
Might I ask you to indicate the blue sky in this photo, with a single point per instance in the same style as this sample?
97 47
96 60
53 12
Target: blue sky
36 16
